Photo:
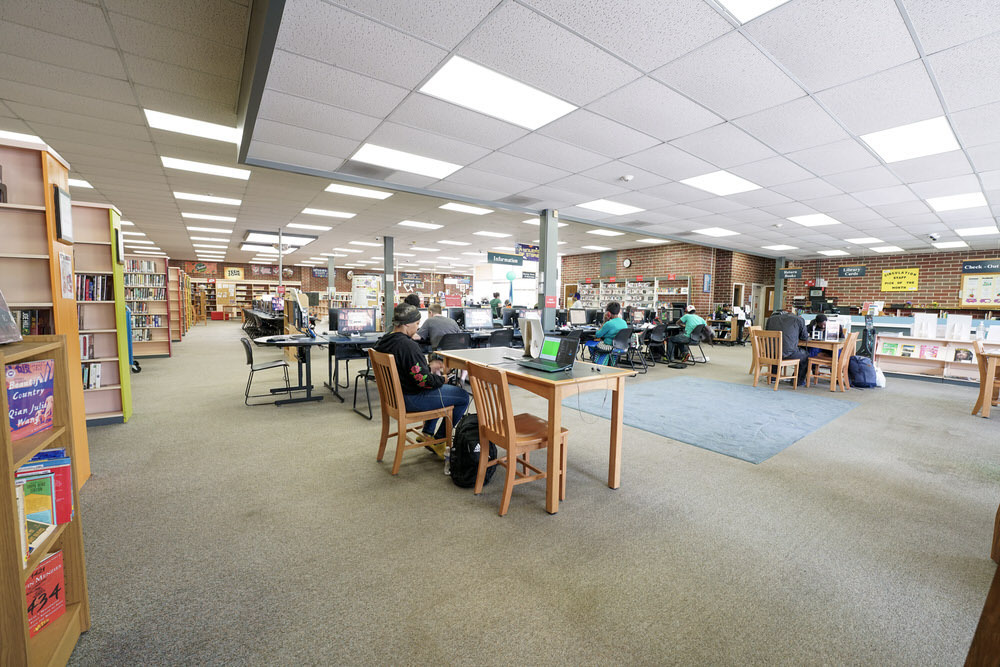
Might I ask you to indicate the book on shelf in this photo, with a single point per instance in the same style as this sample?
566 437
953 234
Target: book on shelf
10 327
45 593
86 346
91 375
964 355
929 351
22 522
34 322
39 509
56 463
94 287
907 350
30 397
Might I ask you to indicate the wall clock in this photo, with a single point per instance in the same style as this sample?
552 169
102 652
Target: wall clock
627 263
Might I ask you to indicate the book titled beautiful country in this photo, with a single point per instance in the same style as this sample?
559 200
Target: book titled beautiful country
30 397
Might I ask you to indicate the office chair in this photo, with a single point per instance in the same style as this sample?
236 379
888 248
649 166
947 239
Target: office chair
657 340
501 338
455 341
278 363
700 333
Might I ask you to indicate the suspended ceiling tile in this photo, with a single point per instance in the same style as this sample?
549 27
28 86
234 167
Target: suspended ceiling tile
863 179
670 162
217 20
16 125
82 106
522 44
917 222
985 158
953 163
833 203
52 49
516 167
181 80
793 126
587 189
68 119
484 180
588 130
554 153
651 107
942 187
613 172
445 22
434 115
280 134
825 44
941 24
189 106
75 20
731 77
761 197
772 171
978 126
840 156
260 150
645 201
549 197
401 137
724 146
412 180
903 208
719 205
811 188
678 193
474 191
63 79
967 73
880 196
179 48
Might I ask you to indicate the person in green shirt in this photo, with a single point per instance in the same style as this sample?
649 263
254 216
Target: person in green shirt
601 346
495 305
690 322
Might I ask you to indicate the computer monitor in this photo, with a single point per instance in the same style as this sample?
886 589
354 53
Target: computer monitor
423 316
532 312
478 318
577 317
334 319
595 316
561 317
356 320
313 298
457 314
298 319
638 316
508 317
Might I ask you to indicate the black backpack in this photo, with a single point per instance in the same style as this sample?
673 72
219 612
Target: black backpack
465 453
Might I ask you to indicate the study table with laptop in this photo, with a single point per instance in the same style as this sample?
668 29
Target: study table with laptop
352 330
303 344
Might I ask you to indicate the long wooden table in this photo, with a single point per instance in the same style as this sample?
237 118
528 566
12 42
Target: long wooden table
554 387
835 347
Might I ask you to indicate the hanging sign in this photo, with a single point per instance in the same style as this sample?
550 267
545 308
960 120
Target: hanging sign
320 273
671 276
502 258
233 273
900 280
706 282
199 268
528 252
851 271
452 300
550 302
785 274
981 266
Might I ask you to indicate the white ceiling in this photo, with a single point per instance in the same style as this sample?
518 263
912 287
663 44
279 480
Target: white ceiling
666 91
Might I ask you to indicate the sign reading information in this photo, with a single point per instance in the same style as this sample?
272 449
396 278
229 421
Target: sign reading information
900 280
851 271
501 258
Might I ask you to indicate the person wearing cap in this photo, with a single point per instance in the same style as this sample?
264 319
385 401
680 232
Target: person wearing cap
422 389
690 321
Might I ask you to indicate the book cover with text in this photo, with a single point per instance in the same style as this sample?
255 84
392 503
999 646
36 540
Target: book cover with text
45 593
30 397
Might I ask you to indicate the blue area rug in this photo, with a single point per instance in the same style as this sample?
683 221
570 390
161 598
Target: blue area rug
742 421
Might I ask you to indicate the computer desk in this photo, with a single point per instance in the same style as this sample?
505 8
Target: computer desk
361 341
304 346
554 387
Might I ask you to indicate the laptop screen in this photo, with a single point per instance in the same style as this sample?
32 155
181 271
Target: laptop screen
550 348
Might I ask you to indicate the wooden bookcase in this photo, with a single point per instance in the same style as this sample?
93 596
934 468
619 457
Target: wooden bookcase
146 295
246 291
53 644
187 307
102 323
174 303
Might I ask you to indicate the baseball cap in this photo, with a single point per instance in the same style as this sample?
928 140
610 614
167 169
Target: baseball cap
689 308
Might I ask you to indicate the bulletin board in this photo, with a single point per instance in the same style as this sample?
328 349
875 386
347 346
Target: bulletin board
981 290
225 294
900 280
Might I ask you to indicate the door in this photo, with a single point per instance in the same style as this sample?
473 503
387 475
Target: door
738 295
568 291
768 302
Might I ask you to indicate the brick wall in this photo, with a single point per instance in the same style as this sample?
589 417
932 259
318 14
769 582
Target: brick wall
750 269
939 281
294 273
722 279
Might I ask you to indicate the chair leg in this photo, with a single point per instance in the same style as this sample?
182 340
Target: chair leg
562 468
508 484
246 394
400 444
384 439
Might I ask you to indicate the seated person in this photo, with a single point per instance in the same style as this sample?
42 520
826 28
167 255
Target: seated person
818 324
413 300
422 388
690 320
604 339
435 326
576 301
793 329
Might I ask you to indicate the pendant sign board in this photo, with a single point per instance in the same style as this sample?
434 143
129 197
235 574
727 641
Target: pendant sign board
234 273
790 273
851 271
502 258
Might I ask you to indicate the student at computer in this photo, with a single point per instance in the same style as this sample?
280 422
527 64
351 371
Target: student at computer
495 305
604 339
818 323
413 300
436 326
690 321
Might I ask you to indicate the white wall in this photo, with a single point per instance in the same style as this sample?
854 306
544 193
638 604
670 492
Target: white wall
491 278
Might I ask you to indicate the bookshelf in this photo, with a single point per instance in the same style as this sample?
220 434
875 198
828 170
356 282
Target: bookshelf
100 305
246 290
54 643
174 303
646 293
928 357
146 295
187 303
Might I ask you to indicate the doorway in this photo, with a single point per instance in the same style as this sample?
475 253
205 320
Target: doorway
756 311
738 289
768 301
568 291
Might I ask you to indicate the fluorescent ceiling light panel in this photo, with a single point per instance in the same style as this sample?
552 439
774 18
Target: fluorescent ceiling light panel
494 235
287 239
133 233
357 192
214 230
595 247
127 223
404 254
957 202
833 253
454 243
866 240
780 247
475 254
440 257
196 128
299 225
401 160
208 238
715 231
481 89
250 247
205 216
261 261
17 136
950 244
367 243
747 10
419 225
605 232
205 168
612 207
504 249
348 250
333 254
887 248
814 220
413 247
79 183
978 231
138 242
149 252
328 213
367 261
721 183
926 137
653 241
215 247
465 208
208 199
537 223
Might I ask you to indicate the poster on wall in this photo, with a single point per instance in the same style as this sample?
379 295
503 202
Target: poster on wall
981 290
318 272
706 283
851 271
66 274
233 273
263 271
200 268
900 280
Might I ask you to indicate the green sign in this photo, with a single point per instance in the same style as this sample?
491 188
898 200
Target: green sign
502 258
851 271
785 274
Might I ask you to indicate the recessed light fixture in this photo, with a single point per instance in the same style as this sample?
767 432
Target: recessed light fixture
205 168
367 243
612 207
354 191
133 233
197 128
957 202
205 216
494 235
653 241
867 240
299 225
747 10
446 242
721 183
950 244
208 199
481 89
606 232
537 223
390 158
334 254
79 183
208 238
887 248
560 242
978 231
138 242
475 254
715 231
250 247
465 208
504 249
328 213
404 254
348 250
261 261
599 248
780 247
149 252
440 257
127 223
214 247
833 253
214 230
905 142
271 237
419 225
367 261
814 220
413 247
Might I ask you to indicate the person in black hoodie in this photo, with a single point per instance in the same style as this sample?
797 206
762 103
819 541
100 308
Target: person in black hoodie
422 389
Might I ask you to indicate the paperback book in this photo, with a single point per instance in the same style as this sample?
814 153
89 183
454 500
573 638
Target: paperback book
965 355
928 351
45 593
61 470
890 348
30 397
907 350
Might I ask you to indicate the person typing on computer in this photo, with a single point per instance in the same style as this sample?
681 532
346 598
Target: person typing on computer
690 321
604 339
436 326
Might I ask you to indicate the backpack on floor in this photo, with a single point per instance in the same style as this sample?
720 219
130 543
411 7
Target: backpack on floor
861 372
465 453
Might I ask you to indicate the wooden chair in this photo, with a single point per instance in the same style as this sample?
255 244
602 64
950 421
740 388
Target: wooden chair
754 364
391 398
768 346
820 367
987 386
519 434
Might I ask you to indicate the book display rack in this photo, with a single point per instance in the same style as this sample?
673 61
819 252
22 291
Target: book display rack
175 301
146 296
948 358
646 293
246 291
23 643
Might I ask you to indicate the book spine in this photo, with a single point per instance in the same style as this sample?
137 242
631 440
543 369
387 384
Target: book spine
21 522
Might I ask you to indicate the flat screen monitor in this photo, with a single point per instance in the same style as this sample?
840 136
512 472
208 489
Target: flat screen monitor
561 317
577 317
508 317
531 312
356 320
423 316
457 314
638 316
478 318
313 298
595 316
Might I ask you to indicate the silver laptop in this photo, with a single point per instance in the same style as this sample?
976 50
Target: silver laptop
558 354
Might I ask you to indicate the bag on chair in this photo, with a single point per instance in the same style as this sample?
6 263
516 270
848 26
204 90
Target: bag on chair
465 453
861 372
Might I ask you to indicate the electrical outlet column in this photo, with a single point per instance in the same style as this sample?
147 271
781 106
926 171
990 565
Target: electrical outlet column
548 266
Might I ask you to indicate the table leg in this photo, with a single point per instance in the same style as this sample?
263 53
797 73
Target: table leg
995 551
333 372
554 453
617 415
835 368
986 385
305 359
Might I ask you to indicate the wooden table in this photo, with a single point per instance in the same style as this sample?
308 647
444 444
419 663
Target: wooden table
834 347
554 387
986 382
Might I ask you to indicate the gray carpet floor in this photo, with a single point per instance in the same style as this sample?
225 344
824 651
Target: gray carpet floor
221 534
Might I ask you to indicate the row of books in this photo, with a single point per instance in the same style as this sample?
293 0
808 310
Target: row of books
138 306
142 335
140 265
143 321
94 288
929 351
45 593
44 490
33 322
145 280
147 293
91 375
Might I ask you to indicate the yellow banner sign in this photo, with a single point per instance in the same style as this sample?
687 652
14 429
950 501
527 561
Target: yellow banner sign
900 280
234 273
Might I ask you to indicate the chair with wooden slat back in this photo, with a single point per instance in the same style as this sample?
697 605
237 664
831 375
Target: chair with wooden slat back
992 390
754 362
818 364
518 434
393 406
771 363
